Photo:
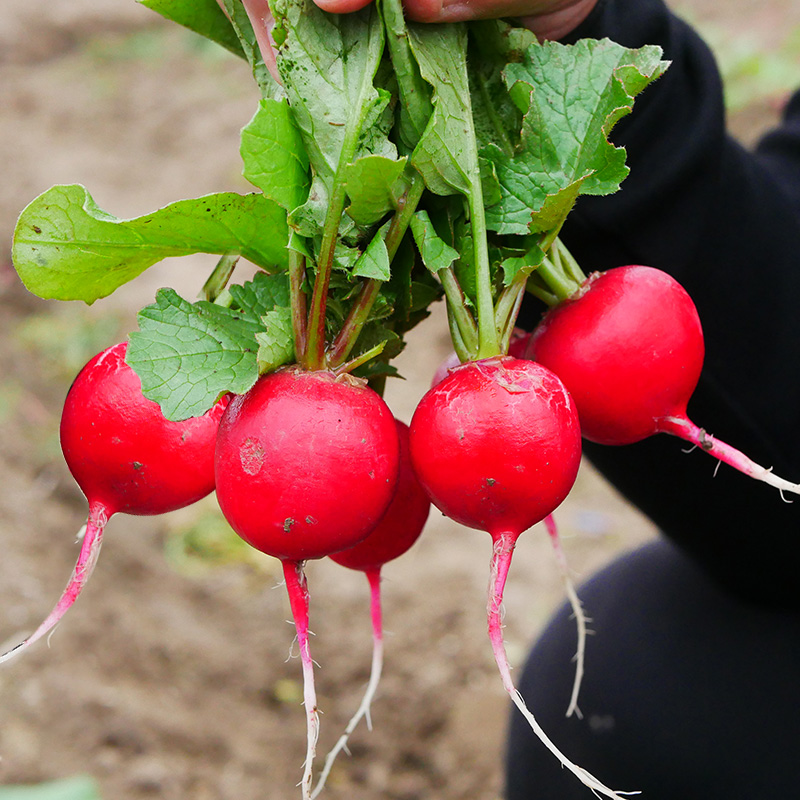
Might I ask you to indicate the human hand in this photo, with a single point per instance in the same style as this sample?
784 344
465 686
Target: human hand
548 19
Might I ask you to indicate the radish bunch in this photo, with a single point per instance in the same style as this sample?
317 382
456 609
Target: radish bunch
392 165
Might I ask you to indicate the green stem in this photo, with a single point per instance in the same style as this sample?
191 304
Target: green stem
568 261
507 310
360 311
488 344
556 280
356 362
315 352
297 277
459 315
219 277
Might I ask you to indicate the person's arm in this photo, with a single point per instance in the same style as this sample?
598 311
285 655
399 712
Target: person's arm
726 223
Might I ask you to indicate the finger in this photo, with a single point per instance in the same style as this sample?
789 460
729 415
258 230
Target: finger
342 6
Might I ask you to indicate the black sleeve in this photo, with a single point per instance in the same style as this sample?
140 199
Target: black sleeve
726 223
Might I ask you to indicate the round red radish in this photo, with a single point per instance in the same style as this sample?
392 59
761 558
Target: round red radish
629 348
122 451
126 457
400 526
306 463
497 444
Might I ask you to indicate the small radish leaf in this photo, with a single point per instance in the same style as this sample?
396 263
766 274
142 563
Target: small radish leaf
188 354
66 248
275 160
374 261
373 185
201 16
436 253
276 342
446 154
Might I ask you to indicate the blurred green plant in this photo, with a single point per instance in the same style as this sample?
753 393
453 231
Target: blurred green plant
751 71
208 542
79 787
66 336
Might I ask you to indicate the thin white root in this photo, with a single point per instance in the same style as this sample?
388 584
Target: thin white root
501 560
362 712
577 612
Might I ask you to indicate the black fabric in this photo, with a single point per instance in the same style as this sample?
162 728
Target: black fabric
691 687
726 223
689 693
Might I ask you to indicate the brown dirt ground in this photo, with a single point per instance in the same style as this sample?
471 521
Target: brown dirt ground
174 682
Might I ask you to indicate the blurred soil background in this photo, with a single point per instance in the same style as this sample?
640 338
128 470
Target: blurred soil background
171 677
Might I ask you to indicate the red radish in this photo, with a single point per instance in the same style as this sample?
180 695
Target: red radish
127 458
497 446
306 466
398 530
629 347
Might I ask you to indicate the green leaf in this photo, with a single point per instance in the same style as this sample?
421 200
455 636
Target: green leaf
513 266
492 45
201 16
275 160
415 94
188 354
327 63
76 788
446 154
436 253
66 248
374 261
571 96
263 293
276 342
373 185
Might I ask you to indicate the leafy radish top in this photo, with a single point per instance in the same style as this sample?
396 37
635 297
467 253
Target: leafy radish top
391 163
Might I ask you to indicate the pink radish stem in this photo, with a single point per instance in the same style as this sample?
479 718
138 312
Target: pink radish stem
297 588
87 558
502 551
374 578
685 429
577 612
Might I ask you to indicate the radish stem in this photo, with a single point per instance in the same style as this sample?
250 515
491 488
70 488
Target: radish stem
374 578
297 588
502 551
87 558
297 277
577 613
685 429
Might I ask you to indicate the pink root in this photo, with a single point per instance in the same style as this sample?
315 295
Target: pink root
501 561
577 613
297 588
374 578
685 429
87 558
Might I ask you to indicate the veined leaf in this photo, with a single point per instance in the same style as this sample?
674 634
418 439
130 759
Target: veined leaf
446 154
66 248
571 96
188 354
